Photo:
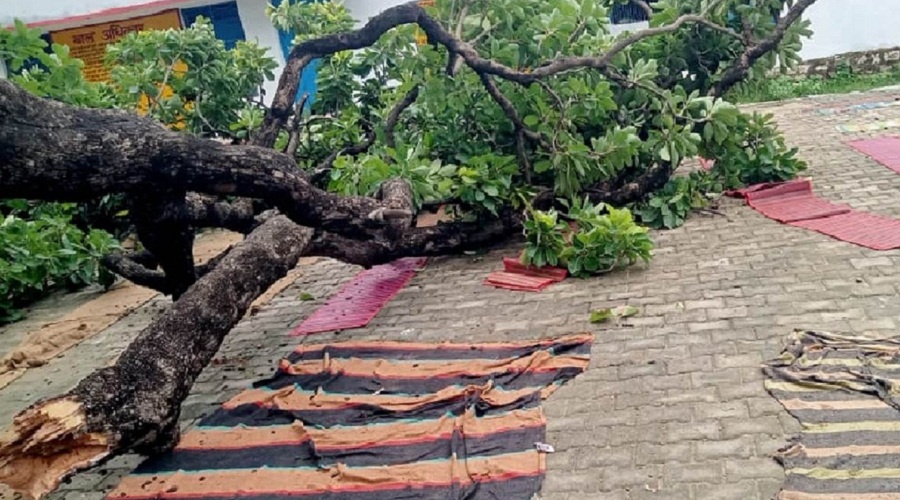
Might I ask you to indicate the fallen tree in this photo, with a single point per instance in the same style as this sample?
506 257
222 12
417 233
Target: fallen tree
574 113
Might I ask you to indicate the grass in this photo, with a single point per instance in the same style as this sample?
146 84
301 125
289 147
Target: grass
789 87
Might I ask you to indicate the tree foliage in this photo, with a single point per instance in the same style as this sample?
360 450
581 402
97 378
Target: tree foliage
511 106
485 142
188 79
607 113
184 78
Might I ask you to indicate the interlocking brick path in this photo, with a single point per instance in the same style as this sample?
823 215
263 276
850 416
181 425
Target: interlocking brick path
673 405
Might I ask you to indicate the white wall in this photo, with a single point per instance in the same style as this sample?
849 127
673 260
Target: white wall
362 10
258 28
841 26
615 29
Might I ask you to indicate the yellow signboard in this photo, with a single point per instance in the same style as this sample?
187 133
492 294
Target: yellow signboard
88 43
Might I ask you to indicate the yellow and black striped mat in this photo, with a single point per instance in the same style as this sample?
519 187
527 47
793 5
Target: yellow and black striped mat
373 421
842 390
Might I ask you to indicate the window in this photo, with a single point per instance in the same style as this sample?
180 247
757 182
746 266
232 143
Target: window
310 73
224 18
628 13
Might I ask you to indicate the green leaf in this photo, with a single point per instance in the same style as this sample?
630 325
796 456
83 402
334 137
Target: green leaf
615 313
601 316
305 296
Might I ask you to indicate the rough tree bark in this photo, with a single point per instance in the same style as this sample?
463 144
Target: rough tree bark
134 404
55 152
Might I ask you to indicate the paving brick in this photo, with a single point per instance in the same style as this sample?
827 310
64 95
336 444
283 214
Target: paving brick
634 478
716 377
753 359
751 468
704 472
735 427
731 409
734 491
669 392
690 365
871 262
693 431
652 453
617 457
769 487
728 448
584 481
716 303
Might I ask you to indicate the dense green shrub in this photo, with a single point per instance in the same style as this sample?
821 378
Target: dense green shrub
45 252
48 246
599 239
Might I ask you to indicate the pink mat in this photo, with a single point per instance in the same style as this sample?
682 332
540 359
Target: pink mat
791 201
360 300
884 150
859 228
794 203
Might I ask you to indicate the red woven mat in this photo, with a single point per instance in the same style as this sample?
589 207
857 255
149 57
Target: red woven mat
794 203
360 300
790 201
515 266
884 150
518 282
860 228
519 277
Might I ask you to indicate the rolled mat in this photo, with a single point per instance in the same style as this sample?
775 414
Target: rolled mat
794 203
376 421
840 388
519 277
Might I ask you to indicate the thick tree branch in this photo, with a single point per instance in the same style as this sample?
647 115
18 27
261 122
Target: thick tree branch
394 116
738 71
443 239
99 418
636 190
206 211
50 151
130 267
294 135
127 267
164 228
409 13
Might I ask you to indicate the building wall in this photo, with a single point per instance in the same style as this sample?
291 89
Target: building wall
258 28
362 10
839 27
851 26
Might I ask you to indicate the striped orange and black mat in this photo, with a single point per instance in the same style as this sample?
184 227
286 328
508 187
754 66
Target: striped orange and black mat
375 420
842 390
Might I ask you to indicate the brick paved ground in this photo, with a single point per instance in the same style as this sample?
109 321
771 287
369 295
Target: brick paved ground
672 406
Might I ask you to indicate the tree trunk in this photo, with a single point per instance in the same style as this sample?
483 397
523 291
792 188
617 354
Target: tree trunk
134 404
51 151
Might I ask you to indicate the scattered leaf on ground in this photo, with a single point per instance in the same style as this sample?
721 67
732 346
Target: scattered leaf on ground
616 313
306 297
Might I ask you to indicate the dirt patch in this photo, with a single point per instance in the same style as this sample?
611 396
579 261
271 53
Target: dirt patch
51 339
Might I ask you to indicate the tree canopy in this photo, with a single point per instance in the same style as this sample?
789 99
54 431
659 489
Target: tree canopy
513 115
